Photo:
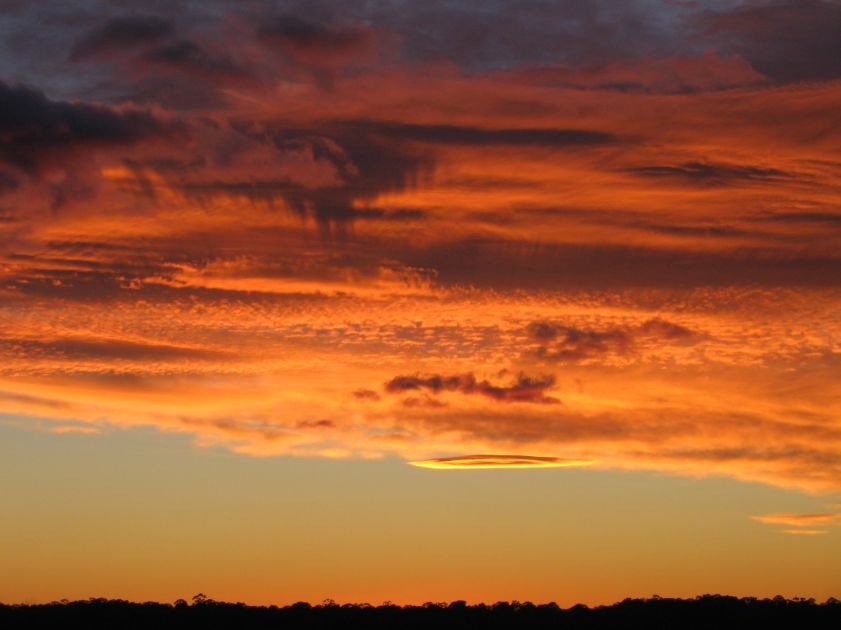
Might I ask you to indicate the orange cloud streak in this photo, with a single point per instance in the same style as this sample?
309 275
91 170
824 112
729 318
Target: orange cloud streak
799 520
473 462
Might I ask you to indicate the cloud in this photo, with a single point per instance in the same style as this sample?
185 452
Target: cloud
825 218
8 183
674 74
663 329
423 401
510 264
479 137
473 462
317 43
709 174
316 424
284 362
344 168
523 389
189 57
319 50
570 344
805 532
788 40
35 129
61 429
504 34
121 33
366 394
505 193
800 520
75 348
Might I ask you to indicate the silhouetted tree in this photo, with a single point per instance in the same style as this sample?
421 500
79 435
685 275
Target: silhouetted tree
705 611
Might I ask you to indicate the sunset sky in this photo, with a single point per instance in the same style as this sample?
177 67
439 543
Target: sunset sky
420 300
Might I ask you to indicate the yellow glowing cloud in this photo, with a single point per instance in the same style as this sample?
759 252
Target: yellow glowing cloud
472 462
799 520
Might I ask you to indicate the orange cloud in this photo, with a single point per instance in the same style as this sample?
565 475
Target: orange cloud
473 462
633 263
800 520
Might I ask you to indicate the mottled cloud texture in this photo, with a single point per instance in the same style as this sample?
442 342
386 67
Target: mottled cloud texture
589 231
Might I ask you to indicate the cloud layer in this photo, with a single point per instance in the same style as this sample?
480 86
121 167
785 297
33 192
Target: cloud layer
582 233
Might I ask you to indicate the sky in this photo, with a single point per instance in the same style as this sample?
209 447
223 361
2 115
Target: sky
418 301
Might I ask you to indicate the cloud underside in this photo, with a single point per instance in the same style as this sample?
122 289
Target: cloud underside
406 234
473 462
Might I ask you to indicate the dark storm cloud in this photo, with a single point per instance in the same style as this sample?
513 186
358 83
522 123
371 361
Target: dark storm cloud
787 40
121 33
524 388
34 128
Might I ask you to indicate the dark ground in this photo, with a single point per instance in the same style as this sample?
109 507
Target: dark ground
708 611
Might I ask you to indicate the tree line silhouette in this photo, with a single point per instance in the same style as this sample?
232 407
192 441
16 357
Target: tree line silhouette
706 611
